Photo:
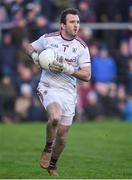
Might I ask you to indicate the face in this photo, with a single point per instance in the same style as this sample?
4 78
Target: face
103 53
71 28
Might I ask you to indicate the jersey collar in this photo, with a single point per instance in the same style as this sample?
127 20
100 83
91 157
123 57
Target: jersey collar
65 38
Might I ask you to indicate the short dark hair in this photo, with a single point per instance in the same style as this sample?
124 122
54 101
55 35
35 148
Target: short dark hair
66 12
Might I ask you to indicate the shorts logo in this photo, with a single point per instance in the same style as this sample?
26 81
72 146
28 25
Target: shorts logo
45 92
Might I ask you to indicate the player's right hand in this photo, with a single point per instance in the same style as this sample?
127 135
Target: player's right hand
56 67
35 57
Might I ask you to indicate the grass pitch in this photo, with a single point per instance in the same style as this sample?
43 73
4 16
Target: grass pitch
94 150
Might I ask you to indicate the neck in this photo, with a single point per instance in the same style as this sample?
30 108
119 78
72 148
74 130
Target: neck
66 36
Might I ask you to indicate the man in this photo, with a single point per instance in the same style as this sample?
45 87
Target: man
57 86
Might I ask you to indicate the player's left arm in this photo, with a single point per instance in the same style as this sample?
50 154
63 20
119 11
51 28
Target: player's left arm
83 74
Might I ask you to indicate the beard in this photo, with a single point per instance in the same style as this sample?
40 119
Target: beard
71 34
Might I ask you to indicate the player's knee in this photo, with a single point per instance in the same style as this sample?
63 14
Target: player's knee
55 120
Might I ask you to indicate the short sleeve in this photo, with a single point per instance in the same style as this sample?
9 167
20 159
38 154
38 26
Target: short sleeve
39 44
84 59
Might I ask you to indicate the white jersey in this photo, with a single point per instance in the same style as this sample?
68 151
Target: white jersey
74 52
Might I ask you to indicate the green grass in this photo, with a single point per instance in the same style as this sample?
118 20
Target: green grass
94 150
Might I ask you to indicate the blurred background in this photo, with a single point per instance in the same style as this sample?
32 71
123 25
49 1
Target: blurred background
106 27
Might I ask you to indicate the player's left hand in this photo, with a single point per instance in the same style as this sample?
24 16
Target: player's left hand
56 67
67 68
59 67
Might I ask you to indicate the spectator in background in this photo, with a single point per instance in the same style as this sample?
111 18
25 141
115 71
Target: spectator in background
35 77
123 7
83 89
37 23
19 32
23 103
7 98
59 6
104 76
22 55
111 101
103 67
129 77
24 76
27 106
122 62
108 11
86 34
17 14
94 49
7 55
87 14
47 9
127 111
42 26
18 21
130 14
121 100
3 14
88 108
130 45
31 15
93 110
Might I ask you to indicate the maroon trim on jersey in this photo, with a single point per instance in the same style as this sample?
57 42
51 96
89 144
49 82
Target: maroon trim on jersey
40 95
52 34
65 38
86 62
81 42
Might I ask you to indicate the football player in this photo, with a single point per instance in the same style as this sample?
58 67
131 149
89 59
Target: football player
57 86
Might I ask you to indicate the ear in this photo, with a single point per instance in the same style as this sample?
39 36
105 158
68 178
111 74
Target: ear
63 26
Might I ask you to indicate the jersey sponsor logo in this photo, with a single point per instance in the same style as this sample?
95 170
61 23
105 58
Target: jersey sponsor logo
71 60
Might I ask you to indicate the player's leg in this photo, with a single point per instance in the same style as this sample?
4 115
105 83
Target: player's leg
54 116
60 142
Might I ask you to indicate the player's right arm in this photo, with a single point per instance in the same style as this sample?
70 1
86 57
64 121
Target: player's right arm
33 49
33 54
30 49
